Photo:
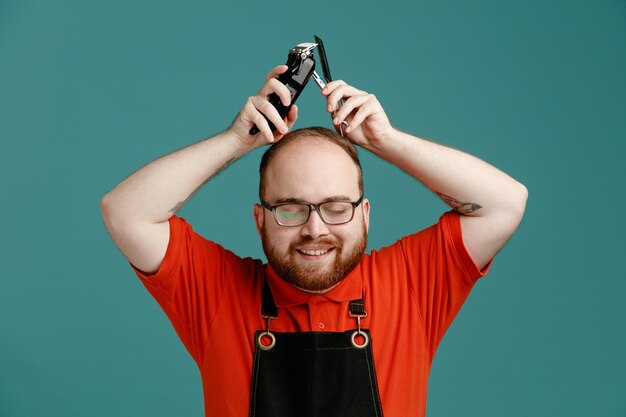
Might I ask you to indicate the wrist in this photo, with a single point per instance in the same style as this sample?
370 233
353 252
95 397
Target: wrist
384 141
242 141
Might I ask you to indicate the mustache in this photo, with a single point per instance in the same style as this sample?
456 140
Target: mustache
322 242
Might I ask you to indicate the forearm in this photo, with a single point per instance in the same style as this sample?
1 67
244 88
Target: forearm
161 188
468 184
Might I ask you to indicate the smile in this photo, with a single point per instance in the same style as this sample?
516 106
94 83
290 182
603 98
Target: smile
314 252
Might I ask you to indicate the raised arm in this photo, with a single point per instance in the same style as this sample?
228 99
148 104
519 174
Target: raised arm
137 210
492 203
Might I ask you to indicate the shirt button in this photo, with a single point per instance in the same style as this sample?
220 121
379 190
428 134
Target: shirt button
321 325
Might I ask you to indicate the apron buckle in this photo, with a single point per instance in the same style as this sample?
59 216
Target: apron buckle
358 331
267 333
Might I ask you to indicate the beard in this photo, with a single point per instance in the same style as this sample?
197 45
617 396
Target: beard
313 276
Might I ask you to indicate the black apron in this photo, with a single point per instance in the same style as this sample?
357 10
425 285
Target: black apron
313 374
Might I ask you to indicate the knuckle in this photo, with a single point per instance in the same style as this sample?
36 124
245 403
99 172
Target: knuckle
265 106
250 107
259 116
277 85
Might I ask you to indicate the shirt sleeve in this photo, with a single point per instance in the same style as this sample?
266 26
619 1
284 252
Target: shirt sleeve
441 274
189 283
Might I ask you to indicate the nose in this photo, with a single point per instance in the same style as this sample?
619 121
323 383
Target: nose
315 226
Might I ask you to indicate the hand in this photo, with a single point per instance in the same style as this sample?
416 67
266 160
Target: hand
256 106
367 122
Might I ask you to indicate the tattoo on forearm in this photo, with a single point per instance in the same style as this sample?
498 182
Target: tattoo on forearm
461 207
181 204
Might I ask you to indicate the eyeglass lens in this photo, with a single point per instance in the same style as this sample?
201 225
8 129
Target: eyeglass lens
333 212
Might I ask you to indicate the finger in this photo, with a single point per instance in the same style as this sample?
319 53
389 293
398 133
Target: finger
270 112
347 108
252 117
275 86
331 86
263 126
276 71
340 92
364 112
248 112
292 116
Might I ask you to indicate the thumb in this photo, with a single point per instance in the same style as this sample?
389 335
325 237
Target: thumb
292 116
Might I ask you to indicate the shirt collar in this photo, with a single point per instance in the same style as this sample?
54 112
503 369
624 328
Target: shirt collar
286 295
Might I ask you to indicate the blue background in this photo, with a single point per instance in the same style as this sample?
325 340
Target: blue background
91 90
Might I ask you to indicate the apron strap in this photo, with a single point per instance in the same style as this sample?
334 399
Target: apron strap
357 308
268 307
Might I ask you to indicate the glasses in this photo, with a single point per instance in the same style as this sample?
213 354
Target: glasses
331 212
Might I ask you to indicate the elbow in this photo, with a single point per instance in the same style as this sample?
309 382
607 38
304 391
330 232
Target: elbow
110 216
518 203
104 204
106 208
510 218
522 198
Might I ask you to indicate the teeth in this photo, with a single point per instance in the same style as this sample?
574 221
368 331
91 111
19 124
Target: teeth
314 252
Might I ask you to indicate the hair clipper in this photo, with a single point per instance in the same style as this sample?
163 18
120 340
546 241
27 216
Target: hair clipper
301 65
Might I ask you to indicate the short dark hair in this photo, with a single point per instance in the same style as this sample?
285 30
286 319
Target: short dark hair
316 131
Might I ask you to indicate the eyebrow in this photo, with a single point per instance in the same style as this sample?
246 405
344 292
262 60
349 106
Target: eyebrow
301 201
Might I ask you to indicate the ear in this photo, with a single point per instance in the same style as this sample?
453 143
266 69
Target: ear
259 217
366 213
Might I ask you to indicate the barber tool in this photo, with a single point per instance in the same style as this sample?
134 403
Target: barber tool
326 71
301 65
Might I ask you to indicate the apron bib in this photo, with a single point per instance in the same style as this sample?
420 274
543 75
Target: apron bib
313 374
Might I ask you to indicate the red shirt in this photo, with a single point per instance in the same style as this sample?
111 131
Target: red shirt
413 290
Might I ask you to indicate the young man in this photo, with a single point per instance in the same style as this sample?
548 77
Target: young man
322 329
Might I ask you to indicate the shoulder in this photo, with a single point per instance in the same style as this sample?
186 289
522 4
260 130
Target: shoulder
448 225
202 251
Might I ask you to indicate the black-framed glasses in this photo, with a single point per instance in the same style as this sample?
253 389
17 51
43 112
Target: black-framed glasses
331 212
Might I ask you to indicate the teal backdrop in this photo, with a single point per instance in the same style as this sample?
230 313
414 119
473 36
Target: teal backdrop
92 90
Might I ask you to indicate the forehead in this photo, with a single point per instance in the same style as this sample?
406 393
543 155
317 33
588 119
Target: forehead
311 169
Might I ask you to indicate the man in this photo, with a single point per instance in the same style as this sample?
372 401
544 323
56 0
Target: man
323 329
